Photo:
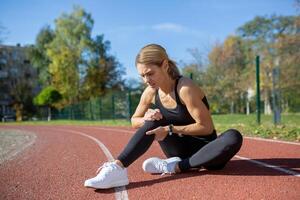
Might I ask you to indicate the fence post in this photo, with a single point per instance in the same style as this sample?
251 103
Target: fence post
69 112
91 110
129 104
100 108
257 91
113 105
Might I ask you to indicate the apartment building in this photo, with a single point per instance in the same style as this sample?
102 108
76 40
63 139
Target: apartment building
16 76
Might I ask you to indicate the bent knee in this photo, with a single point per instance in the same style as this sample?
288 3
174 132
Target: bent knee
234 135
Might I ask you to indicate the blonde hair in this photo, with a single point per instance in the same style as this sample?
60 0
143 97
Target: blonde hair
154 54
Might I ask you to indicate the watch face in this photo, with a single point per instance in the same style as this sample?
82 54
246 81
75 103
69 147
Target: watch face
170 129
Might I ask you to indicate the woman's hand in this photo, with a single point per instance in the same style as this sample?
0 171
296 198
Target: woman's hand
152 115
160 133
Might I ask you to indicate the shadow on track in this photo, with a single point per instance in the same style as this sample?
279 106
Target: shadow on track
245 168
165 178
233 168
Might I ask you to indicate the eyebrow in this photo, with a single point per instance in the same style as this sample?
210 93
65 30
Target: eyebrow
142 75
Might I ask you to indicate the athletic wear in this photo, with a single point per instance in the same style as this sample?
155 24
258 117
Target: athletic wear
110 175
160 166
209 151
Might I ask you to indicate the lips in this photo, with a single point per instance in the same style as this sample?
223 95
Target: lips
151 84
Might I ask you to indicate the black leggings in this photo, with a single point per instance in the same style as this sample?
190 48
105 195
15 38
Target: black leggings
210 152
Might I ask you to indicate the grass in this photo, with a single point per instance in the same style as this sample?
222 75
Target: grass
289 129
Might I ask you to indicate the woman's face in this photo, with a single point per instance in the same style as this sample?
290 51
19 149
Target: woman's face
152 75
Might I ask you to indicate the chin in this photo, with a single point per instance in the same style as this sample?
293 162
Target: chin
153 86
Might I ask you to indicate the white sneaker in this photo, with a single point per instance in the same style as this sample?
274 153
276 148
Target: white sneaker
160 166
110 175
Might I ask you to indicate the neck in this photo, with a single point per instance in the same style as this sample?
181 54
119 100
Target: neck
168 86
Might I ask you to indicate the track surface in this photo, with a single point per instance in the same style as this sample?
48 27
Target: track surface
62 157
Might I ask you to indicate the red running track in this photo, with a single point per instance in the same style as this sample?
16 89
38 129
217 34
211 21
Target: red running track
62 157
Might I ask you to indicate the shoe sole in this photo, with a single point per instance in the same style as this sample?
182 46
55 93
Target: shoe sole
116 184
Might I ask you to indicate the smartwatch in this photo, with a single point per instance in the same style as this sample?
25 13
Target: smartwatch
170 131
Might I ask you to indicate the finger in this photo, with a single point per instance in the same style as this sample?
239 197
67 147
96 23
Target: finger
158 116
151 118
150 133
154 117
157 111
151 110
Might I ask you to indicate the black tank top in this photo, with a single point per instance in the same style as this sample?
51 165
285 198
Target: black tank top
178 115
181 116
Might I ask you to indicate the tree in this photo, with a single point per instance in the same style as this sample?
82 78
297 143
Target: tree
38 55
225 76
66 52
288 49
262 34
49 97
103 72
196 69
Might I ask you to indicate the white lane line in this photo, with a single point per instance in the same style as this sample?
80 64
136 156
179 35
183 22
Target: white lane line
112 129
120 192
272 140
269 166
251 138
239 157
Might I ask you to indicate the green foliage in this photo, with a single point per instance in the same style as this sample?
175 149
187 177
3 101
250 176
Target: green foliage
38 56
276 38
72 39
48 96
230 72
103 71
225 75
74 63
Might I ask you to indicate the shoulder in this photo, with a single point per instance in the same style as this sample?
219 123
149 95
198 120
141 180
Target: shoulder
185 82
148 95
187 88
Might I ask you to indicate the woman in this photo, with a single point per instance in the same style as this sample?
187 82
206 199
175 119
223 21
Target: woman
180 121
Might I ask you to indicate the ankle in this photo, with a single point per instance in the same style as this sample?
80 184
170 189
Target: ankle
177 169
118 162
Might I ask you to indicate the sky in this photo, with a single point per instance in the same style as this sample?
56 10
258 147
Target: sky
178 25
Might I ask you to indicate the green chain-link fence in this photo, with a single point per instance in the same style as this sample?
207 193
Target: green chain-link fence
114 105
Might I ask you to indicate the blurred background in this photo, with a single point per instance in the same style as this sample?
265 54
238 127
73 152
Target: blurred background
74 60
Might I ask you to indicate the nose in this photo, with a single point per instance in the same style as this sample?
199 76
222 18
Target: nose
146 79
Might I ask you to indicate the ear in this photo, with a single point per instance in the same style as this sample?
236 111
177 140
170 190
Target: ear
165 65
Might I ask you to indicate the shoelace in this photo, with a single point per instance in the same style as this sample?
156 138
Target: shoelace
162 166
106 164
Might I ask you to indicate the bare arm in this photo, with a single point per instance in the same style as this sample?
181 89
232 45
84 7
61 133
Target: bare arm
191 95
143 112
